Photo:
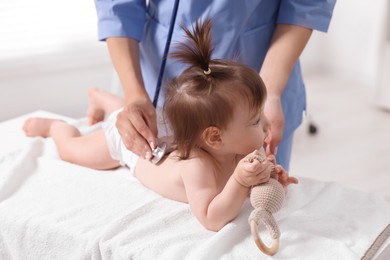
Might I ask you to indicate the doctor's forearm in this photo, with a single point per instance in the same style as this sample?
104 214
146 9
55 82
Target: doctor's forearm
286 46
124 54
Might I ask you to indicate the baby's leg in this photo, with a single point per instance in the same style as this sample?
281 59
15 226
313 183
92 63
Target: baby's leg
101 102
89 151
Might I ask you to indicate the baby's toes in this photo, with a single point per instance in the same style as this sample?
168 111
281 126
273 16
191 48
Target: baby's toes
26 126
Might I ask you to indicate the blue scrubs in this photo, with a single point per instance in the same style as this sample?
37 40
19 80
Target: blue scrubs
241 30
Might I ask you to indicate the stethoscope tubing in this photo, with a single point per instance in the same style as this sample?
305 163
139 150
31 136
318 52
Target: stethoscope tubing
165 55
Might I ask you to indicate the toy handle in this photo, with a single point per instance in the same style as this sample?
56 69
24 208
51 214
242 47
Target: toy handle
260 244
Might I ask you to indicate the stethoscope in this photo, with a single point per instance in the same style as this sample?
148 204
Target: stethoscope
160 150
166 51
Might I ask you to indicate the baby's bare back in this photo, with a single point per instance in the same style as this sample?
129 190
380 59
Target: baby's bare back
166 178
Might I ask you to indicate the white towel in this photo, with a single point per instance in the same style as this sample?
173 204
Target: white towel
50 209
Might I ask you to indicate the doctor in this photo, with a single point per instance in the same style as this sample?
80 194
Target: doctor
268 35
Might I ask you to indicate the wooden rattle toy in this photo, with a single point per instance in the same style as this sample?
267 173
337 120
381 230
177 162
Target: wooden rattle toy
266 198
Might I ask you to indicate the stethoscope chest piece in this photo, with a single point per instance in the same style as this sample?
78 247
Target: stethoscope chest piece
159 152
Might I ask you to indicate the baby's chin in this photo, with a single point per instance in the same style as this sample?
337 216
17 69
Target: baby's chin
259 149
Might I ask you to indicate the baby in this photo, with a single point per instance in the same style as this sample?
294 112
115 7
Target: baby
215 112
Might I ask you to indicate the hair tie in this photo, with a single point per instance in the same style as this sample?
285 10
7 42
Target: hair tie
207 72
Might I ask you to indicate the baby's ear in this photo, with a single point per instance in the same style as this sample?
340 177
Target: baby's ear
212 136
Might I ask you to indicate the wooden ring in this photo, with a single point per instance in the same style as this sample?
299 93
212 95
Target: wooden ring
273 249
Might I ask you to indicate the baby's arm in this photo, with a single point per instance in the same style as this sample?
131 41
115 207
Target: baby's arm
213 207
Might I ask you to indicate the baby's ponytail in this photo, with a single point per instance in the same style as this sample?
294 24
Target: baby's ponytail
198 51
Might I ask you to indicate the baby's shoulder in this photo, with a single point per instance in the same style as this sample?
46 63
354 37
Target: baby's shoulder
199 161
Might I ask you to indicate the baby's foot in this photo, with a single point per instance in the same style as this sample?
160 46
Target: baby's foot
95 113
38 126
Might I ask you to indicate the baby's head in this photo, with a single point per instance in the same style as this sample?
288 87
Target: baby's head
213 98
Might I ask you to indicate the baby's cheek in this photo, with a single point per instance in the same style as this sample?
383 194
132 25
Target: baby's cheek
259 141
251 141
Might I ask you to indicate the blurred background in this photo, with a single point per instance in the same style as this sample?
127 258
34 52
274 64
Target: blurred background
50 56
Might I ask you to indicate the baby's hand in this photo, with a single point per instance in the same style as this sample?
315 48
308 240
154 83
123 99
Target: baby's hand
284 179
250 171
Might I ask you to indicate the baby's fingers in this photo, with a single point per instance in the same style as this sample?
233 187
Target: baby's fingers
284 178
252 157
271 158
292 180
262 171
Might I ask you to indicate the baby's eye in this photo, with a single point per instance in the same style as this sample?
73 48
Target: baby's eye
257 121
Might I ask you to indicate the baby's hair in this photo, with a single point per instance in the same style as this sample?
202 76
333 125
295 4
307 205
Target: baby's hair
208 91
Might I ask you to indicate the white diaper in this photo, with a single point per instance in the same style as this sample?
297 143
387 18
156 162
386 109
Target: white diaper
116 147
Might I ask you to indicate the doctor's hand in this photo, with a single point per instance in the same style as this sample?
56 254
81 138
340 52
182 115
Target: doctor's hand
137 126
274 113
